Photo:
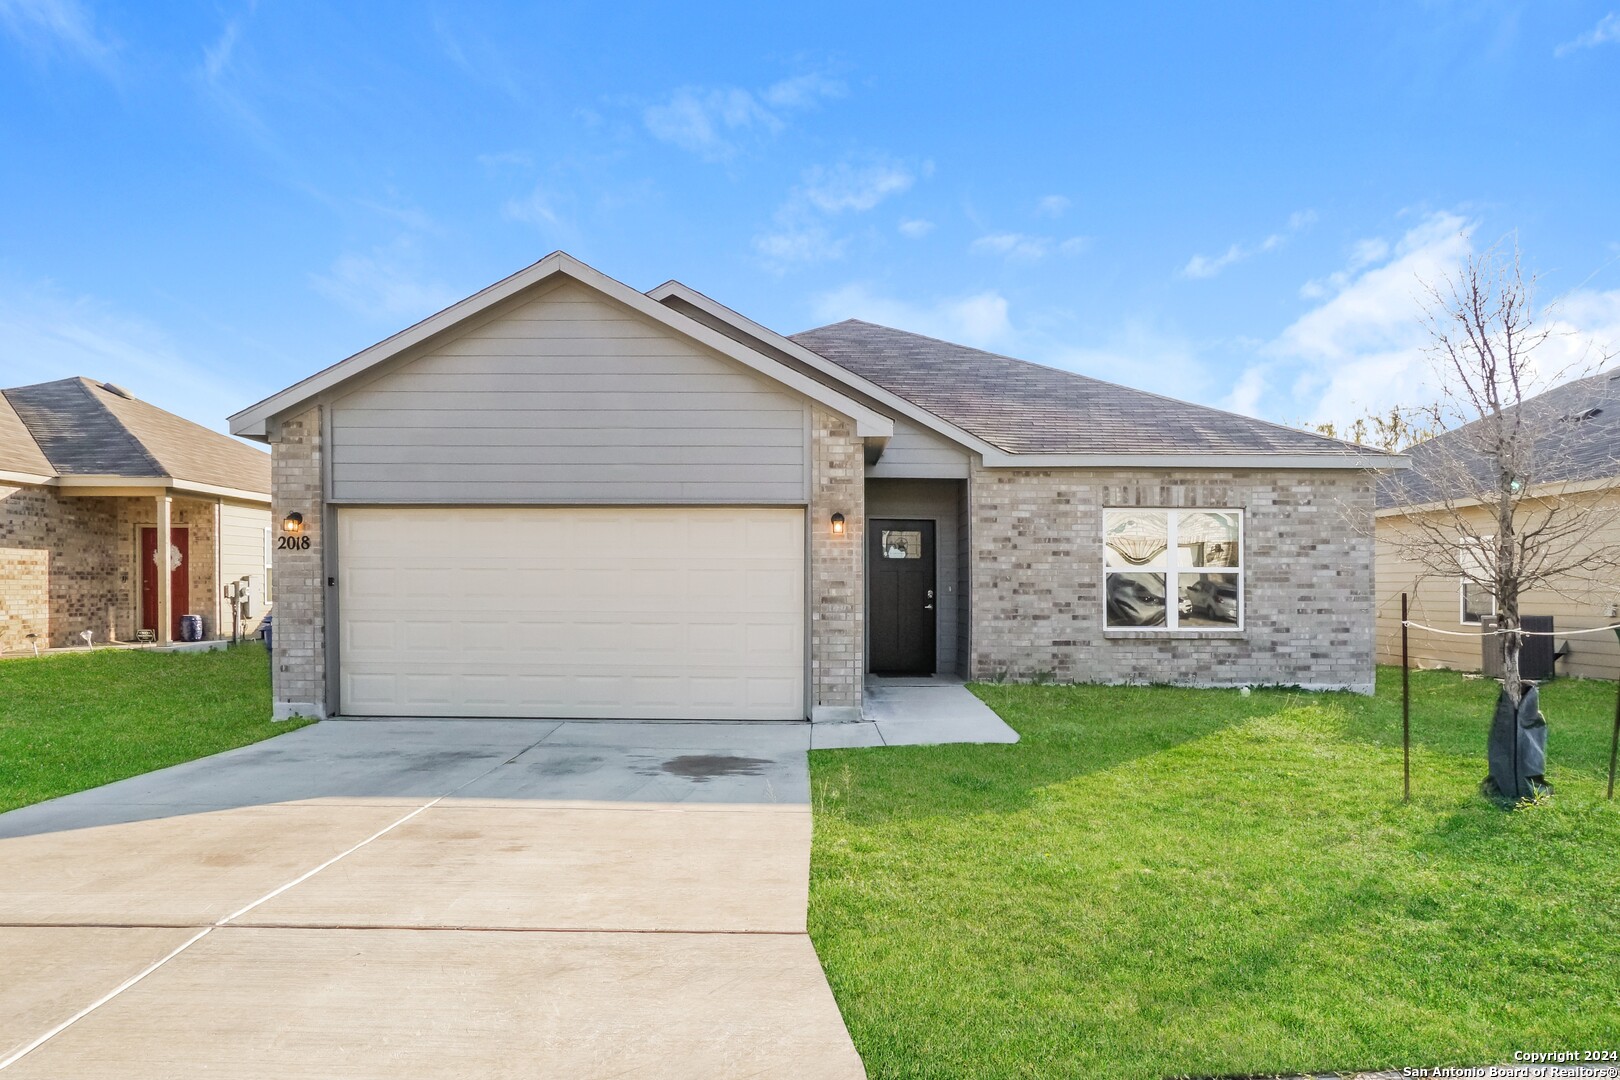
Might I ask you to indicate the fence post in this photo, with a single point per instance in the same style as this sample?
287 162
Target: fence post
1406 710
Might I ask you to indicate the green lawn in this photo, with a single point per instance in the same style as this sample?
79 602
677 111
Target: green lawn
71 721
1160 882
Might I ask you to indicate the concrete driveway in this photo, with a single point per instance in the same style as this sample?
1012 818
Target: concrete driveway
426 899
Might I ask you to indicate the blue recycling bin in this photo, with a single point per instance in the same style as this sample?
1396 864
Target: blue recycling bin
264 632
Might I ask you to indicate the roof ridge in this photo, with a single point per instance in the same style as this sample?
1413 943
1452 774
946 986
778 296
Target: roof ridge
1349 447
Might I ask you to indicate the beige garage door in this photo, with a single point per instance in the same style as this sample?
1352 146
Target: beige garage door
663 613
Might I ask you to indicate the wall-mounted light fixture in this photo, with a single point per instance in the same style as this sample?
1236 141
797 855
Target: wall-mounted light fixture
838 524
293 523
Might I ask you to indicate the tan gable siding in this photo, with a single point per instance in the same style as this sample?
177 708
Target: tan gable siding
241 554
1435 601
569 398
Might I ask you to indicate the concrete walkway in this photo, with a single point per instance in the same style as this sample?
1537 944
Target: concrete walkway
916 712
426 899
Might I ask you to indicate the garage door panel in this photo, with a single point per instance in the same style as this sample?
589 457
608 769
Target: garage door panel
681 613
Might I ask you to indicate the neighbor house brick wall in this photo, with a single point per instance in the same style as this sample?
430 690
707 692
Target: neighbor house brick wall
1308 578
837 609
57 567
298 665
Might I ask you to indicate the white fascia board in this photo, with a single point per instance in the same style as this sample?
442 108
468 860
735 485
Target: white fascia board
1001 459
1536 491
110 485
905 407
250 422
8 477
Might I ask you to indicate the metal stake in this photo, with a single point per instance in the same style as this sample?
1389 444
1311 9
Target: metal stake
1614 740
1406 710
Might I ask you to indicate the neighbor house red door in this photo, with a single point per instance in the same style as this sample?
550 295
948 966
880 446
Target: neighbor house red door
179 578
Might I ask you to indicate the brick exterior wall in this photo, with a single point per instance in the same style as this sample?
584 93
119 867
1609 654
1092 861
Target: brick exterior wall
57 568
837 587
298 667
1308 578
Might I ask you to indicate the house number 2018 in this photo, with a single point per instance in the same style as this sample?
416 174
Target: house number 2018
293 543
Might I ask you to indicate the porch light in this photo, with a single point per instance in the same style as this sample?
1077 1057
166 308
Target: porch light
293 523
838 524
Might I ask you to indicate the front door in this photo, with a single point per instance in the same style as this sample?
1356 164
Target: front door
176 558
901 577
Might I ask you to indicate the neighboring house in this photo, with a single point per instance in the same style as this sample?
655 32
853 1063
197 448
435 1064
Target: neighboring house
564 497
90 478
1577 450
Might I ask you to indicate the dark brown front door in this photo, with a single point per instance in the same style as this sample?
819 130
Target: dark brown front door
901 577
179 578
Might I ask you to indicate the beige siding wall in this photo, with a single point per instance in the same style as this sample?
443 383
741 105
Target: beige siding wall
914 451
1038 602
569 398
1435 600
241 554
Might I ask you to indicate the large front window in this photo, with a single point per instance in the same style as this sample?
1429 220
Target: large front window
1173 569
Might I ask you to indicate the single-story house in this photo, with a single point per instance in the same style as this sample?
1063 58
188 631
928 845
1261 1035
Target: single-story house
90 477
1575 456
562 497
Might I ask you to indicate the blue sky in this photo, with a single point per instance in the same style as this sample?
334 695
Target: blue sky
1228 203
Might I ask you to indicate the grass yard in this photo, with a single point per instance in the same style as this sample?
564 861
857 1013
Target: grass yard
1163 882
71 721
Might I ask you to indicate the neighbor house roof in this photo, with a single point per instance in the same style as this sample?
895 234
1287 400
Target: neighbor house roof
1026 408
20 455
79 428
1575 438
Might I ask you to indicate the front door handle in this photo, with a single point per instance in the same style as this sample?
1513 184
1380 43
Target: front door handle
928 607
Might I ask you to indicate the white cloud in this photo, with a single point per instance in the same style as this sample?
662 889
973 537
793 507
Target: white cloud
386 283
535 208
916 228
47 26
979 320
799 243
1606 32
803 91
1022 247
1010 245
46 335
799 230
1364 345
1052 206
711 121
844 186
1207 266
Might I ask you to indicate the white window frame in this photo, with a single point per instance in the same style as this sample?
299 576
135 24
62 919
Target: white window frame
1173 568
1464 547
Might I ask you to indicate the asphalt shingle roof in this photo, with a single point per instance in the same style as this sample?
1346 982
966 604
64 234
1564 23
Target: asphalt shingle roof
18 450
79 427
1026 408
1576 437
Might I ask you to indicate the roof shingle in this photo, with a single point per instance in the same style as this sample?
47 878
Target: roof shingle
81 428
1026 408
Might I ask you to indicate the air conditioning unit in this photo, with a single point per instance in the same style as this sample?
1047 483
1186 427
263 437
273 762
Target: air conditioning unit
1536 657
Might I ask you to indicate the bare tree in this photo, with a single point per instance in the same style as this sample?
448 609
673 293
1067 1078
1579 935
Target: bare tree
1394 430
1505 497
